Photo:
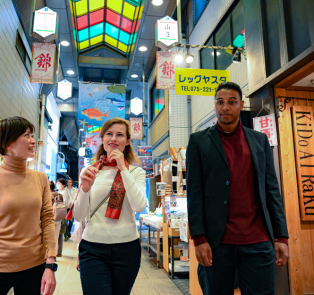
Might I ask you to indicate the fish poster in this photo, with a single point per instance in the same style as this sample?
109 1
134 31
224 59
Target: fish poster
100 102
97 104
93 141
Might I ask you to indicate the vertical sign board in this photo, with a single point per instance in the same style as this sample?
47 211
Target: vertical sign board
165 70
136 128
303 127
43 63
267 125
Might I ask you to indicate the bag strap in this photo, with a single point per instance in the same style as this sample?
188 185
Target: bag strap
105 199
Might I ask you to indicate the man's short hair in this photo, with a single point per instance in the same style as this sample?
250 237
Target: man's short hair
70 179
229 86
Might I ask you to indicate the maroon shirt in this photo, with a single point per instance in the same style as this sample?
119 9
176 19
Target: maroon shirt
245 222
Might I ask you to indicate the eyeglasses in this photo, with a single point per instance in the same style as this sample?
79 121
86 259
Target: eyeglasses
230 103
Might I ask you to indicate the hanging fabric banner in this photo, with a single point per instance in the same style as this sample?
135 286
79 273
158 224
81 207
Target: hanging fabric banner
43 63
136 128
267 125
165 70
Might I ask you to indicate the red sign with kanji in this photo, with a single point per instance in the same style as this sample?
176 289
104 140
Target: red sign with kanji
43 63
136 128
165 70
267 125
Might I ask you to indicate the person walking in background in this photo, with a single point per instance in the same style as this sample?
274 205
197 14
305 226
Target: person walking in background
235 211
110 251
59 211
61 183
72 193
27 236
53 192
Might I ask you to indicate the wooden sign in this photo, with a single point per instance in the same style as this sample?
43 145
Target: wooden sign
303 132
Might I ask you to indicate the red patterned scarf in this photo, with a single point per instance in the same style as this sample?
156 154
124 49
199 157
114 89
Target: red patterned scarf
117 192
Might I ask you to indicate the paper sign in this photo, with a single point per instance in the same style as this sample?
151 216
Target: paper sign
267 125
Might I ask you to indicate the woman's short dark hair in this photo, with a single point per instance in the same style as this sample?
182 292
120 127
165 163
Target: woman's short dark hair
229 86
52 185
11 129
62 181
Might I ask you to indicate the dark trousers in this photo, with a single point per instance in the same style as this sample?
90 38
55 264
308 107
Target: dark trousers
109 269
256 269
69 226
26 282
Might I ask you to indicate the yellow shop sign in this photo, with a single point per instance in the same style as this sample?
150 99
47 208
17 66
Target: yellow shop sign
199 81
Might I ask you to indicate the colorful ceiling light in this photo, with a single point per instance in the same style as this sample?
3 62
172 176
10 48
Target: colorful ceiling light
110 22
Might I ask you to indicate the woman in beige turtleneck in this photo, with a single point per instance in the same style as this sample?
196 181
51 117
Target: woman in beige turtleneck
27 238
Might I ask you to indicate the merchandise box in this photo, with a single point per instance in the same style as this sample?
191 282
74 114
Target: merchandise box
174 232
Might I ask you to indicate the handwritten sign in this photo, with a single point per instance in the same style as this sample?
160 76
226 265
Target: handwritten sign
304 155
198 81
267 125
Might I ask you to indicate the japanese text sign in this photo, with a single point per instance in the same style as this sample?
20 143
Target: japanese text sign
267 125
199 81
166 32
45 24
165 69
43 63
303 129
136 128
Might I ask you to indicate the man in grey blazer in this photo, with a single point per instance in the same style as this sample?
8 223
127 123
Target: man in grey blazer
235 209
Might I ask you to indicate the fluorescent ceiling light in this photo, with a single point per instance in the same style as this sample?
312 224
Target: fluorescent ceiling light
65 43
142 48
134 76
157 2
70 72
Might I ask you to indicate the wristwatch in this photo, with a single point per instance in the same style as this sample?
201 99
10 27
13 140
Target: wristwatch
52 266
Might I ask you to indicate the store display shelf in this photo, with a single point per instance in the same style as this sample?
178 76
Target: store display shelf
174 258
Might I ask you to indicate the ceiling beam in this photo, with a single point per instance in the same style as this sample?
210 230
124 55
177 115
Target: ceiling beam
103 62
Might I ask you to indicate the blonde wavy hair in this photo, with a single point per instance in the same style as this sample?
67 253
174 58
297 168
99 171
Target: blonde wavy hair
129 152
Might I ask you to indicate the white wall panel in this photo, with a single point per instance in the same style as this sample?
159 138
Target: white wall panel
17 95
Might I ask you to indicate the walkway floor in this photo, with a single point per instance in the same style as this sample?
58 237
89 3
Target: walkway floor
150 280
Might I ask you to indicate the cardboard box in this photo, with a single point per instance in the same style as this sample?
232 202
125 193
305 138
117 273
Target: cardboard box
174 232
176 252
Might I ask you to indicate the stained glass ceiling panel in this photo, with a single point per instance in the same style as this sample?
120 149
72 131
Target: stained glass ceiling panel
110 22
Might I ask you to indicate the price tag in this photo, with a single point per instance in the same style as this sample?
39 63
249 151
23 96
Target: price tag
175 165
175 178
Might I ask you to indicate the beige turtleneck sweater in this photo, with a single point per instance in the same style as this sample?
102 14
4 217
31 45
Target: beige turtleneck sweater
27 235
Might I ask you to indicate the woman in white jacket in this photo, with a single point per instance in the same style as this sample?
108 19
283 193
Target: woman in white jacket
110 252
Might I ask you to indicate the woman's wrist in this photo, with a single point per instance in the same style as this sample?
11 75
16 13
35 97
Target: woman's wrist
50 260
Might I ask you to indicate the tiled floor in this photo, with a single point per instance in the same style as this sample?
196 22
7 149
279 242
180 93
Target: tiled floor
150 280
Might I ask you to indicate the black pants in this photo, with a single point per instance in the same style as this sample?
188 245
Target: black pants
109 269
69 226
26 282
256 269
